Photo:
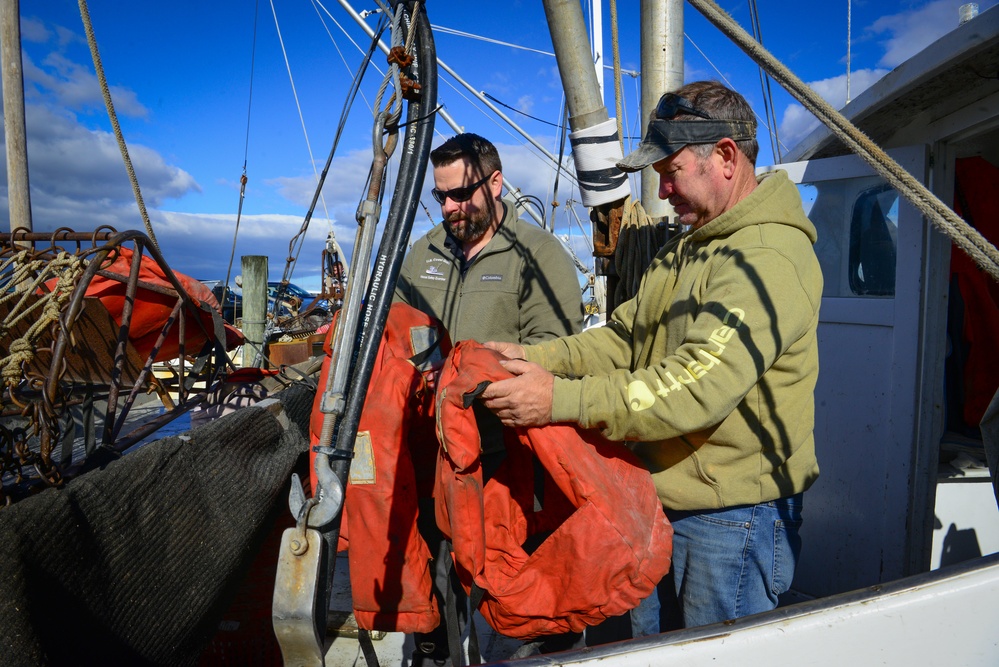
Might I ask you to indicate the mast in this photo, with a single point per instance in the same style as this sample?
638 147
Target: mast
662 70
596 147
575 63
597 37
18 195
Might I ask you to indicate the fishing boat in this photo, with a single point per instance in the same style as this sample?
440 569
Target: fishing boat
901 528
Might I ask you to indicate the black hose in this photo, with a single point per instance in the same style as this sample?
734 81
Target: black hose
388 260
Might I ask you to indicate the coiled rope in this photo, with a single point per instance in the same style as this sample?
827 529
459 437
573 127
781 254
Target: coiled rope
20 269
638 242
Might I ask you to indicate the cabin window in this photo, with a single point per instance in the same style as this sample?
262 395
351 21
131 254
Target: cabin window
873 242
857 223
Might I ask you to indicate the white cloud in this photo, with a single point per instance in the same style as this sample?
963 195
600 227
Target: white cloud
33 30
69 161
72 85
905 34
908 33
797 122
200 244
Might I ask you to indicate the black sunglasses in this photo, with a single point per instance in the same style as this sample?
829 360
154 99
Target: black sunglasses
461 194
671 104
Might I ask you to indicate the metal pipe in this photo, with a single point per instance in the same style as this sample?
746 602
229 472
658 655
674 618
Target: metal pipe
575 63
662 70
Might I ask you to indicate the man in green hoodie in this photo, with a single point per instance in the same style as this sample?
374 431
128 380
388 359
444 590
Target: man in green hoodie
708 374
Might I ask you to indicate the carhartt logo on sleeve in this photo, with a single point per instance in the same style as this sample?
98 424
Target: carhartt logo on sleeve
640 395
491 278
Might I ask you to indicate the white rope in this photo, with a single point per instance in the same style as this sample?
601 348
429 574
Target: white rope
21 270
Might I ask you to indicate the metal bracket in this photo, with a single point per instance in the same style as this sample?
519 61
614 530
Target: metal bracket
295 590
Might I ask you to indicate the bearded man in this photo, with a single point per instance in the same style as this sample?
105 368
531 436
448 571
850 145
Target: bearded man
487 275
484 273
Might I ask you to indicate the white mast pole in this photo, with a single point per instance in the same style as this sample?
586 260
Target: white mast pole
597 38
849 39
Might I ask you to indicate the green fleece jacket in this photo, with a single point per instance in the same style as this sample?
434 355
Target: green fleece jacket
520 288
709 372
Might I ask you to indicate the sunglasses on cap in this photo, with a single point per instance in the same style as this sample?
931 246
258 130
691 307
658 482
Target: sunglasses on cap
666 136
458 195
672 104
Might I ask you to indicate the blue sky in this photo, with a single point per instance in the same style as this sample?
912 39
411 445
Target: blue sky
180 76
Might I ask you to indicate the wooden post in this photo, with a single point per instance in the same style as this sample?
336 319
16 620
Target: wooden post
18 194
254 308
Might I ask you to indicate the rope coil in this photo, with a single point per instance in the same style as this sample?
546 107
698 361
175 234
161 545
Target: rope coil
28 275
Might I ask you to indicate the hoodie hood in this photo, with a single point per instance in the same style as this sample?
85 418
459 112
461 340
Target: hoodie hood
775 200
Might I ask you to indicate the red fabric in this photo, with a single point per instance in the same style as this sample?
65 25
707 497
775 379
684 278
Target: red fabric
390 570
152 309
978 181
251 374
611 542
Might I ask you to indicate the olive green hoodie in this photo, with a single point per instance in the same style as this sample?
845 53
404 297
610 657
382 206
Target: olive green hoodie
709 372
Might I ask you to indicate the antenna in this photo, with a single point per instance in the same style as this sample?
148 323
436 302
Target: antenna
849 11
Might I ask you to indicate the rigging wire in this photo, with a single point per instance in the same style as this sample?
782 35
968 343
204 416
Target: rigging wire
292 259
518 111
317 5
533 149
348 104
294 91
768 104
849 41
728 83
88 28
460 33
246 151
616 47
561 156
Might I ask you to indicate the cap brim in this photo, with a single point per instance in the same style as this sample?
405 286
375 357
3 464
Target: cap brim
647 153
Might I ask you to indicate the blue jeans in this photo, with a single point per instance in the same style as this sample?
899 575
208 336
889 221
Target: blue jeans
728 563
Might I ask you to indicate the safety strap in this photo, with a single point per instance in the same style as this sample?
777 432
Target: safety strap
474 655
451 616
367 648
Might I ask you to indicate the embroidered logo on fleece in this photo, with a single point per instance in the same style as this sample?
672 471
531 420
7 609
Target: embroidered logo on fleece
640 395
491 278
432 272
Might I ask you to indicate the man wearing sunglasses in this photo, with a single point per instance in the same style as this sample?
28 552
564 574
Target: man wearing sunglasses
708 373
487 275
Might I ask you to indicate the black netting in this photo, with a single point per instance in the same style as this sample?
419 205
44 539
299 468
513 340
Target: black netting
134 563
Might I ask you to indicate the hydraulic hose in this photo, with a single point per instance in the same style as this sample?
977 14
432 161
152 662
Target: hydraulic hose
388 260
